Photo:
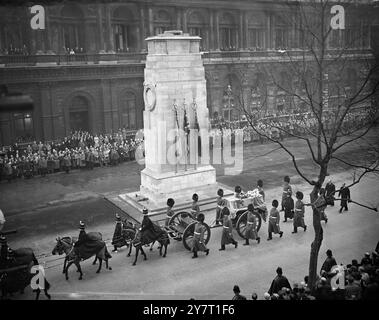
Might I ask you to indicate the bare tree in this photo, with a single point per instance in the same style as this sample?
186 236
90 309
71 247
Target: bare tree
331 97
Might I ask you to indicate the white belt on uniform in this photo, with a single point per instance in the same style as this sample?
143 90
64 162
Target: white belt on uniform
298 210
198 233
226 227
250 222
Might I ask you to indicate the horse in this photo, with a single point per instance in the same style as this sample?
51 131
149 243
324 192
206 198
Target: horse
17 276
163 240
66 245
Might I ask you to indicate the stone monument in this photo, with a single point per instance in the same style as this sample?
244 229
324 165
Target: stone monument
176 121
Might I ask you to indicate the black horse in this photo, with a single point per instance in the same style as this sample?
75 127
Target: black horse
16 275
138 243
66 245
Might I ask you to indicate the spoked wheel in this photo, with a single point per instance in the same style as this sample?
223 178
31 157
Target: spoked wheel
176 219
242 223
189 233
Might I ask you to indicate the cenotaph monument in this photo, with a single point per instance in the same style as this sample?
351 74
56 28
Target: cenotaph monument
175 117
176 127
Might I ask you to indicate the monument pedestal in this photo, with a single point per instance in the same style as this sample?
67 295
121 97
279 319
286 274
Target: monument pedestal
158 187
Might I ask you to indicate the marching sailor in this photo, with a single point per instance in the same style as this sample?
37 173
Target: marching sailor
195 209
287 201
198 239
169 212
273 221
220 194
227 235
298 220
251 228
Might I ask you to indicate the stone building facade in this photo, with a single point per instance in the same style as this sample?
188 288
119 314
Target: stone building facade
85 69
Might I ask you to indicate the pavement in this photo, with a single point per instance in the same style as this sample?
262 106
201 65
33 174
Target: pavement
43 208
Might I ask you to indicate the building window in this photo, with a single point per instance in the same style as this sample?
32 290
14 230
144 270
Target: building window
120 33
128 111
124 30
197 27
257 31
72 28
23 126
256 38
228 32
162 22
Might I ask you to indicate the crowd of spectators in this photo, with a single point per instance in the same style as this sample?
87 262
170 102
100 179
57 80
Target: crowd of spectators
15 50
361 282
79 150
284 126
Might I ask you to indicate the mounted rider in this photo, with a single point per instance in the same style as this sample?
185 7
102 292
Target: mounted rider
149 231
82 238
3 250
198 238
118 240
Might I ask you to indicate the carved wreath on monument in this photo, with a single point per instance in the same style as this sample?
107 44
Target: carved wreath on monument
149 96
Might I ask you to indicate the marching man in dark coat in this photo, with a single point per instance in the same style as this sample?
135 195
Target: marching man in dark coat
344 193
220 195
198 238
227 235
330 190
279 282
251 228
273 221
195 209
118 240
298 220
287 201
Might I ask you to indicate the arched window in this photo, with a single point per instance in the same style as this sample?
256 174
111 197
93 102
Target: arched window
72 27
78 114
228 32
162 22
197 27
128 111
257 31
123 30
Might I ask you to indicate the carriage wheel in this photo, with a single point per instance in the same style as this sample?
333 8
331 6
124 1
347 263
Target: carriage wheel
176 218
189 233
242 223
